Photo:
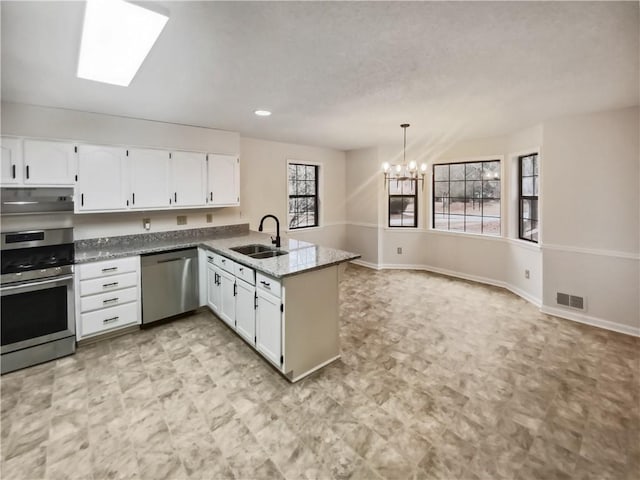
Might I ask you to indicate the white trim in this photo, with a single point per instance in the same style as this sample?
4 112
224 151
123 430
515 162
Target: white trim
517 242
591 251
362 263
481 158
478 236
318 367
593 321
362 224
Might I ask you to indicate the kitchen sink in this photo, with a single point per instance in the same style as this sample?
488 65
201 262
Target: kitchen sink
258 251
272 253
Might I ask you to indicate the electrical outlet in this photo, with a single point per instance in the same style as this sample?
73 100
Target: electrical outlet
146 223
526 274
209 217
182 219
399 250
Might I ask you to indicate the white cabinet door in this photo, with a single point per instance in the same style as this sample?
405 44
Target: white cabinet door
188 179
101 183
49 163
213 288
269 327
11 172
149 171
227 309
223 180
245 310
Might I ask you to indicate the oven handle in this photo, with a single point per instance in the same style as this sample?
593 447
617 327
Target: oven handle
33 284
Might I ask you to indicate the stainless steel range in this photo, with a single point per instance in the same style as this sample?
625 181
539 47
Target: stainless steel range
37 320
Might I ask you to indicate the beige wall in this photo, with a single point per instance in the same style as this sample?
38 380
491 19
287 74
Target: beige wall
590 187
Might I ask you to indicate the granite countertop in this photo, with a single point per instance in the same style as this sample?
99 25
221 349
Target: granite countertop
301 257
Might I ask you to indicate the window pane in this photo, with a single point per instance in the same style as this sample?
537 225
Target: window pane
456 222
535 164
527 186
456 189
441 189
491 208
474 190
526 208
527 166
441 172
473 171
440 221
302 180
534 230
311 173
457 206
491 189
395 220
441 205
474 223
535 186
491 226
474 207
457 171
491 170
409 211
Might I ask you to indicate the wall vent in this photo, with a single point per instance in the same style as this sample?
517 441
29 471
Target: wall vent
572 301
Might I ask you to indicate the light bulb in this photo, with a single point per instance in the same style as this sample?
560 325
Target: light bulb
385 166
398 168
423 167
412 165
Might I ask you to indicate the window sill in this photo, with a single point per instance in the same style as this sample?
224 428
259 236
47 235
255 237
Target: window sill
535 247
499 238
304 229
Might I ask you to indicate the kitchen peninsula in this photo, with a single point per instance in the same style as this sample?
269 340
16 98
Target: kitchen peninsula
285 306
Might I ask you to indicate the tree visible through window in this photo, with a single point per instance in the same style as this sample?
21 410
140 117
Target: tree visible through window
303 195
466 197
528 187
403 203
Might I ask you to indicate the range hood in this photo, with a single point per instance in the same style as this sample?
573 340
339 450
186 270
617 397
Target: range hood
18 201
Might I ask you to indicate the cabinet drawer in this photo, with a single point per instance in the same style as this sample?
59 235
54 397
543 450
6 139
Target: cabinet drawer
106 284
109 267
268 284
224 263
109 318
108 299
245 273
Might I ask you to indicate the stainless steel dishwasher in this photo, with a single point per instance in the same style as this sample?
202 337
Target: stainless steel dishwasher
169 283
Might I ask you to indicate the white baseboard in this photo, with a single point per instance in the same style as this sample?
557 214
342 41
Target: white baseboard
362 263
589 320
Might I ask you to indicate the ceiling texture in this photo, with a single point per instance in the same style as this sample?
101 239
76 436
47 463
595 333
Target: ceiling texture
343 75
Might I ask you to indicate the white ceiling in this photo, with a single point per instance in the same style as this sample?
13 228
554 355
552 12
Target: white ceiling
343 74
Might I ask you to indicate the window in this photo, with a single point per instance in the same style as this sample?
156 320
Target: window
528 193
466 197
403 203
303 195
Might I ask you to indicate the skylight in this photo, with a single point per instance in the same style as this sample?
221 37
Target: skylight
116 38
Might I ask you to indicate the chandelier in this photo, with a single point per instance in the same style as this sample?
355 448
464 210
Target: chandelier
404 171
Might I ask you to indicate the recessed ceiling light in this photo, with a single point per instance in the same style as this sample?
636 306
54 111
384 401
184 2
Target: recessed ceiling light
262 113
116 38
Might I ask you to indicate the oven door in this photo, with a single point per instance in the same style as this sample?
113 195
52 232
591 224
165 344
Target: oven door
36 312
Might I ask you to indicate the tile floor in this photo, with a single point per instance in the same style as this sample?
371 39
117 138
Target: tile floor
439 378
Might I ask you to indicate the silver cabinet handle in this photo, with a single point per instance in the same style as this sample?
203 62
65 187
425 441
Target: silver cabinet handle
110 300
109 320
110 269
33 284
109 285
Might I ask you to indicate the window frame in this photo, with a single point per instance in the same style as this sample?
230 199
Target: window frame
401 195
316 195
522 197
482 160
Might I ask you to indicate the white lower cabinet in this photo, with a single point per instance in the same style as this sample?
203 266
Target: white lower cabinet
227 309
246 310
269 325
213 287
108 296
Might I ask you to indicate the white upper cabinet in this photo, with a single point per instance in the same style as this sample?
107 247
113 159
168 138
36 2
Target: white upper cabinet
149 170
224 180
49 163
188 179
102 181
11 172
